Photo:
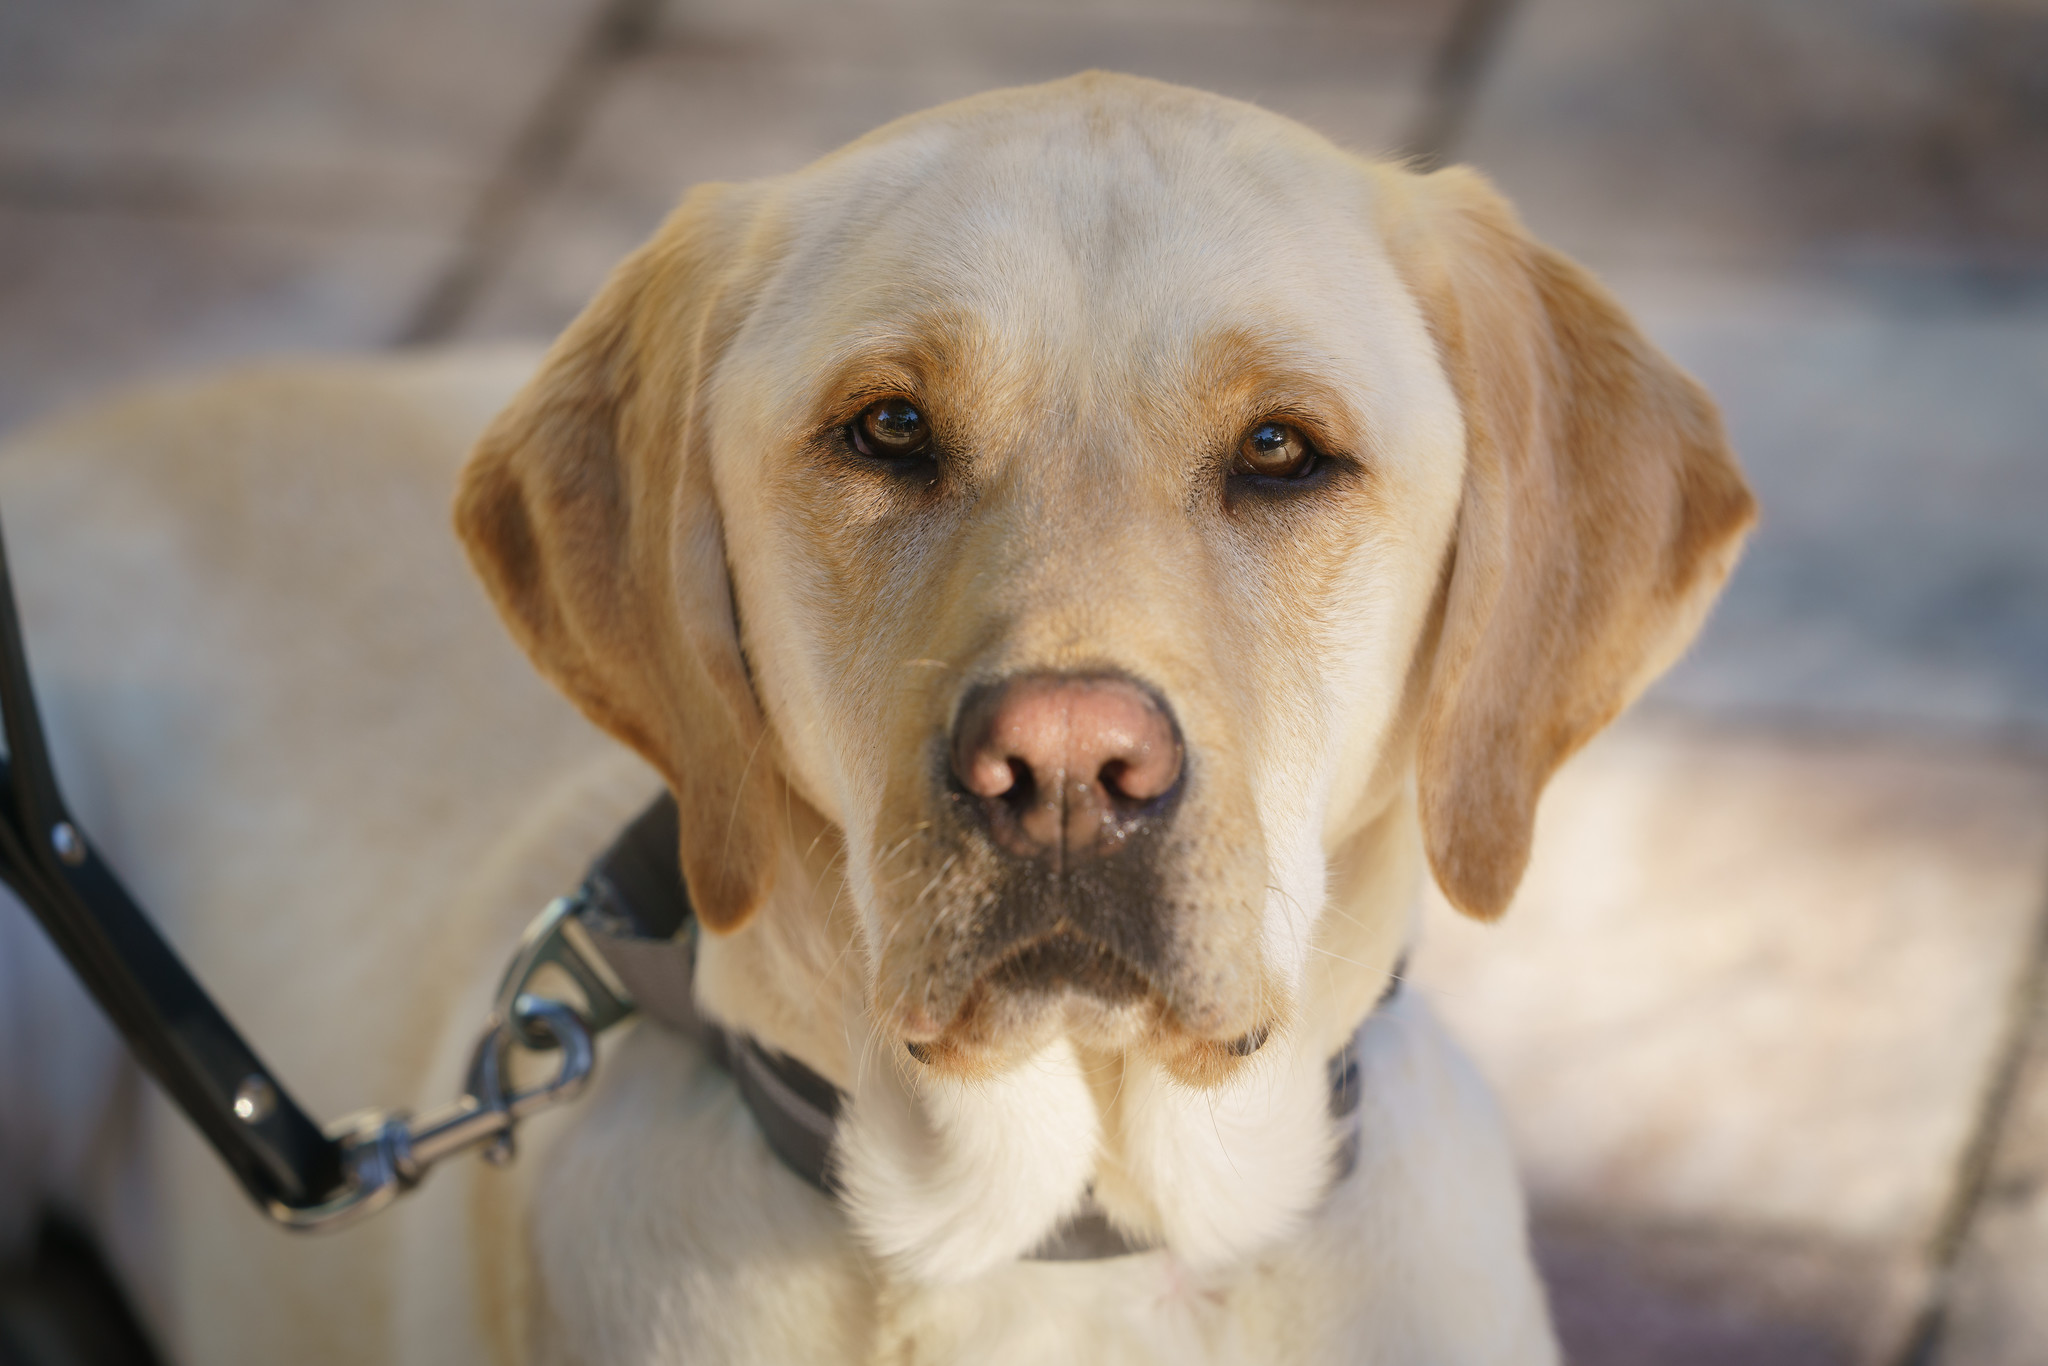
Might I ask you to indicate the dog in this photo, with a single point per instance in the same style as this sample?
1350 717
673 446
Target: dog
1077 557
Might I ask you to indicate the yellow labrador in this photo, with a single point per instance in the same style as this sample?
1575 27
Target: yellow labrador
1076 556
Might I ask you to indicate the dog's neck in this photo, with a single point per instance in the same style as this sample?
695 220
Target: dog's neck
946 1178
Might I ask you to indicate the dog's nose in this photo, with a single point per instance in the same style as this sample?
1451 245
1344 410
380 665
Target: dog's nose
1066 763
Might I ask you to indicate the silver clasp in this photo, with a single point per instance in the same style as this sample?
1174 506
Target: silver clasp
388 1153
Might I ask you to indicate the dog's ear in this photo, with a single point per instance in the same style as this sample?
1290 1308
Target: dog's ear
1602 510
588 509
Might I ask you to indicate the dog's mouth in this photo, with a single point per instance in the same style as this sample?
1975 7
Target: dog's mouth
1069 980
1065 960
1062 976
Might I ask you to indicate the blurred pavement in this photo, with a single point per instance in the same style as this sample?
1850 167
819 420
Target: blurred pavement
1770 1019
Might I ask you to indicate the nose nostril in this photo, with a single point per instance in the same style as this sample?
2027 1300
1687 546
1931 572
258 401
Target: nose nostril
1122 784
1022 789
1112 779
1135 780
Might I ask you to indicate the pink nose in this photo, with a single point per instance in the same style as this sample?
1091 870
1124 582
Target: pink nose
1065 763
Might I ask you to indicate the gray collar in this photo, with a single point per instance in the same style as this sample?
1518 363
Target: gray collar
636 912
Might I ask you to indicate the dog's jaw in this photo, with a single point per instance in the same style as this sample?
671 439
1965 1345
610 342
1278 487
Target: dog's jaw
947 1177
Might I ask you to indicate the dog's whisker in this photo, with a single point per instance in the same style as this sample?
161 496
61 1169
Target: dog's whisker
1332 953
914 831
1216 1127
732 818
918 900
933 923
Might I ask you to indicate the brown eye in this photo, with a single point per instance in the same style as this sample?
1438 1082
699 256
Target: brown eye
893 429
1276 451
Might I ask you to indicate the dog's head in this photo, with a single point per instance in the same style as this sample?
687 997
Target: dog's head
1098 501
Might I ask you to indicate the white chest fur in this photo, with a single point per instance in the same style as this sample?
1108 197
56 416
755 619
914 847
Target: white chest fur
664 1231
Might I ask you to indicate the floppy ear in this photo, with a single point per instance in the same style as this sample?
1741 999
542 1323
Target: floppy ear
1602 510
588 510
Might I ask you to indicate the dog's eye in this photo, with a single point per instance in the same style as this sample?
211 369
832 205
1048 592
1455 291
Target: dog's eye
1275 451
893 429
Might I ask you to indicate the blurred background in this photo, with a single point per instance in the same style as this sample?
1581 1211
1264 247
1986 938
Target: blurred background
1769 1017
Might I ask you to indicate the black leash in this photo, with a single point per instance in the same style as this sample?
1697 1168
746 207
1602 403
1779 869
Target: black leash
303 1176
275 1150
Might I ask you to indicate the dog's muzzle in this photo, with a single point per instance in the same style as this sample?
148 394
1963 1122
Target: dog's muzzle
1071 782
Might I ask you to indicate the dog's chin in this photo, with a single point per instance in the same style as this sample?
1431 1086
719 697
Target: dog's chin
1068 984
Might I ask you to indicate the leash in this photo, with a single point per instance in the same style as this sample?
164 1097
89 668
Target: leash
624 942
174 1029
301 1175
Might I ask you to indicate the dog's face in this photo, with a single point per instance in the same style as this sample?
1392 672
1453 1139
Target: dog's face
1096 501
1084 496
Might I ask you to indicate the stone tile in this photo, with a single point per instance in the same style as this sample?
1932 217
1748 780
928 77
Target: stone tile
187 182
1741 1017
379 106
88 301
1629 1291
1998 1302
1750 130
1899 576
732 91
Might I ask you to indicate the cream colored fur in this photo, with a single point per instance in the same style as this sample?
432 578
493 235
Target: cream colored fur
295 726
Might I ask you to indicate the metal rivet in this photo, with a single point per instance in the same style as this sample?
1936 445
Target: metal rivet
65 839
255 1098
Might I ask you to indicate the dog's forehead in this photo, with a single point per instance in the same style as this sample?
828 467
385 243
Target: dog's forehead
1112 229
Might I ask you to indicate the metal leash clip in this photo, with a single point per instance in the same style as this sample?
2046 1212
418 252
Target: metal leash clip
386 1153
